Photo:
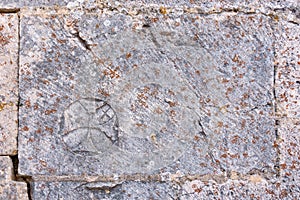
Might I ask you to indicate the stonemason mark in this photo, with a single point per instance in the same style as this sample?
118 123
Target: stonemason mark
89 125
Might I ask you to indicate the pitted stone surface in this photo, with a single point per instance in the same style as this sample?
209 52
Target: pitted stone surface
8 83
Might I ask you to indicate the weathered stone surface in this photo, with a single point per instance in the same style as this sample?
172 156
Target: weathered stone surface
126 190
113 93
6 169
253 187
13 190
10 189
288 70
8 83
14 4
290 154
288 101
150 99
251 5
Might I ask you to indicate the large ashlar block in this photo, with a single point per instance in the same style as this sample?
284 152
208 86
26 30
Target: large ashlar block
8 83
109 93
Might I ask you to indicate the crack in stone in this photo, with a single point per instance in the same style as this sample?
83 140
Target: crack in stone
293 22
9 10
15 162
216 162
28 181
202 132
82 41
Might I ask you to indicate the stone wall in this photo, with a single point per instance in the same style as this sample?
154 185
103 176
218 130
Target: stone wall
149 99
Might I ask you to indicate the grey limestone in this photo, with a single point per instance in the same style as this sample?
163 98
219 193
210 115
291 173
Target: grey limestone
111 94
126 190
149 99
253 187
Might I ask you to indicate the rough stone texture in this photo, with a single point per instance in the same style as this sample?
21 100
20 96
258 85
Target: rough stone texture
10 189
288 70
8 83
155 99
111 93
6 168
201 4
14 4
290 156
13 190
126 190
288 100
255 187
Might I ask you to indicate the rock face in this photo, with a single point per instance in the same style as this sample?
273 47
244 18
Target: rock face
144 100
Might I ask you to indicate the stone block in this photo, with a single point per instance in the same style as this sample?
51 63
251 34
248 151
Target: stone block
84 191
111 93
13 190
288 69
6 169
252 187
289 130
8 83
10 189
